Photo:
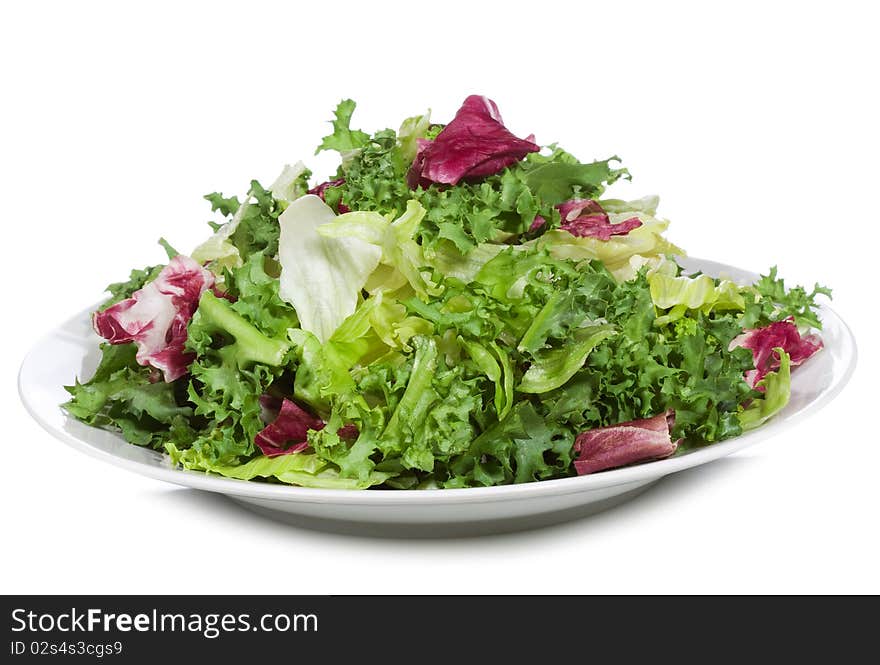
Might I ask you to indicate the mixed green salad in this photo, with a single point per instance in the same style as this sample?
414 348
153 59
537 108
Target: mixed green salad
454 307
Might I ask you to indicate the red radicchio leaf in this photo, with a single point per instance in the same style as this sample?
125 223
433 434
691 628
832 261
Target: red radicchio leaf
319 191
585 218
155 317
537 223
290 426
348 432
223 294
762 342
626 443
269 407
474 145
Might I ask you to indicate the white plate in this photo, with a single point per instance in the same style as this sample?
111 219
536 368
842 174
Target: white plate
72 350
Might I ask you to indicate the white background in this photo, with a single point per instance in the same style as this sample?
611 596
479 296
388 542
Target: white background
757 124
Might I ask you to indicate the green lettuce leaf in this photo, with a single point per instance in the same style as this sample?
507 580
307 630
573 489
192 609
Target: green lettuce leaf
554 367
523 447
495 363
556 182
253 226
302 469
291 183
330 479
410 131
679 294
777 391
321 277
768 301
412 409
343 138
218 252
391 324
249 346
321 373
256 227
395 238
124 396
254 287
446 258
225 205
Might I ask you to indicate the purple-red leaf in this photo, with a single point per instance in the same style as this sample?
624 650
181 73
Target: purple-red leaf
762 342
348 432
288 432
289 427
474 145
626 443
585 218
156 316
537 223
320 190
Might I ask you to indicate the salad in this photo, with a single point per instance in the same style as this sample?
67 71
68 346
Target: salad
454 307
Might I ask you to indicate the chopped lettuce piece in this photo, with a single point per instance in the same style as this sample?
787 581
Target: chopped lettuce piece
399 251
155 317
625 443
343 139
777 391
291 183
555 181
553 367
301 469
679 294
474 144
123 395
321 277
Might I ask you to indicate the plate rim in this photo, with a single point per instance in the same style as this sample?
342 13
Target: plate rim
639 473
